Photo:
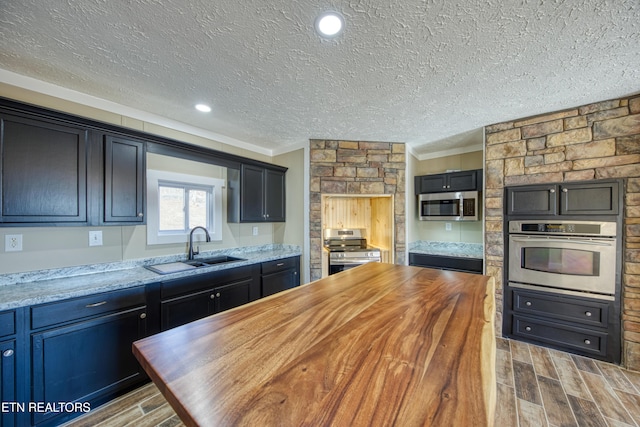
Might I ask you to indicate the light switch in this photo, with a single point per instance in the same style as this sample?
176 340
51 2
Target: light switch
447 226
95 238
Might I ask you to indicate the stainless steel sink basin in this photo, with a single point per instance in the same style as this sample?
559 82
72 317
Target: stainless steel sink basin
175 267
203 262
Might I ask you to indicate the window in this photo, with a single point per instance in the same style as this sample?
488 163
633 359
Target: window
178 202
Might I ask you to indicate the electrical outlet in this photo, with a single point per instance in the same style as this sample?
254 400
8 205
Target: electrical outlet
95 238
255 231
13 242
447 226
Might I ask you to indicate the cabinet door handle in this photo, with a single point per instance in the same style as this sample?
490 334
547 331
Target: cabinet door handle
95 304
212 296
565 190
552 190
143 315
140 214
7 353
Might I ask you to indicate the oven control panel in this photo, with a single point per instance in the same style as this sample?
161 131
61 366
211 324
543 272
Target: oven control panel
586 228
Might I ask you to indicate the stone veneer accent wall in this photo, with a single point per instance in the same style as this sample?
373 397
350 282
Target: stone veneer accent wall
355 167
595 141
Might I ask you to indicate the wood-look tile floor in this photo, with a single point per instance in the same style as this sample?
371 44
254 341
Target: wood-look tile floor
536 386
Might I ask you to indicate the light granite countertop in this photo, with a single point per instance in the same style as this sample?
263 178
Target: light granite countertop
451 249
42 286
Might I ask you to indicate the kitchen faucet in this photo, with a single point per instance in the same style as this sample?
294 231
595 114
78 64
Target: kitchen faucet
191 251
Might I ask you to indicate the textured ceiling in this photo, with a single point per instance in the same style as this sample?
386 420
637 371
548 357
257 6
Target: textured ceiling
424 72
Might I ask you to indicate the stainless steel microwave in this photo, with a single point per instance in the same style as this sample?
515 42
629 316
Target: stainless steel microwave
458 206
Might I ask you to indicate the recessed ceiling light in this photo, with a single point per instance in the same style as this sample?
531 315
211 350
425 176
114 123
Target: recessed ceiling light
329 24
204 108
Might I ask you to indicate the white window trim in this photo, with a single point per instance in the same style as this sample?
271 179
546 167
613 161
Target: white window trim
153 214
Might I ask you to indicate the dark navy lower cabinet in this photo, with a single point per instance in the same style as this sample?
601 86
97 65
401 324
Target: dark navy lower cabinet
77 366
280 275
188 299
8 383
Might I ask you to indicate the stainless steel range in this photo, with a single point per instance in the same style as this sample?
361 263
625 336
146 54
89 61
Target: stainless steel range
348 249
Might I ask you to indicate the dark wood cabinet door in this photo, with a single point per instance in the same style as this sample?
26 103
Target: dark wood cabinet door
431 184
252 194
274 197
8 385
187 308
532 200
233 295
278 282
124 172
462 181
589 198
85 361
43 171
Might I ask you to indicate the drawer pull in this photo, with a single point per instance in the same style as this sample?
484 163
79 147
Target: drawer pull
588 314
7 353
528 328
587 342
528 303
280 264
96 304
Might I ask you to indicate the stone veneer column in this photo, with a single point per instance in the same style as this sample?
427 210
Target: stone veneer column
355 167
595 141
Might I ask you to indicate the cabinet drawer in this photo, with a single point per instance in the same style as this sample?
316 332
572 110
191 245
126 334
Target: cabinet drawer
83 307
563 336
591 313
277 265
7 323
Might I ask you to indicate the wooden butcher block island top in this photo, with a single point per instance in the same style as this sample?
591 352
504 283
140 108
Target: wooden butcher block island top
377 345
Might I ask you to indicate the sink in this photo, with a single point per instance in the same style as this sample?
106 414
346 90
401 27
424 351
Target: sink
204 262
175 267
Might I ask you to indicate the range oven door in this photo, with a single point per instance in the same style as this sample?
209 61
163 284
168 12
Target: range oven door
572 263
336 266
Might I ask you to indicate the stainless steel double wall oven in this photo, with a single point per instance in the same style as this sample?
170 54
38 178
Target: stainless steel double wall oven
563 266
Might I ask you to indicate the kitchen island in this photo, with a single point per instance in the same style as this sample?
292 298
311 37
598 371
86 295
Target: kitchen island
380 344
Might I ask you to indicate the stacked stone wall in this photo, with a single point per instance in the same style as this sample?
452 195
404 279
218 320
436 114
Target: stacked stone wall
355 167
595 141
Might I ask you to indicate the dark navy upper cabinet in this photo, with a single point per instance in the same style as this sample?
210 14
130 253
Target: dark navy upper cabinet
600 197
124 177
470 180
532 200
256 194
43 171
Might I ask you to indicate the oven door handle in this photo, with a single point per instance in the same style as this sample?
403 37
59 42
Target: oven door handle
568 240
352 261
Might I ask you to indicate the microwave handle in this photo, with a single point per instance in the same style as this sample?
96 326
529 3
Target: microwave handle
578 241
